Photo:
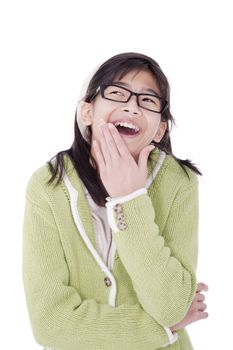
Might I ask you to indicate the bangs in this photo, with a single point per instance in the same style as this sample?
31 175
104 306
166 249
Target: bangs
117 72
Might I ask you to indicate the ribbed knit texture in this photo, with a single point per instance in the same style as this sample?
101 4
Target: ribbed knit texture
154 265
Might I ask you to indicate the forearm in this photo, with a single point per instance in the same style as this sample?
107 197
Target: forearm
159 276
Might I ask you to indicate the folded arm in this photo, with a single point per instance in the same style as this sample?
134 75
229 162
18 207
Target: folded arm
161 265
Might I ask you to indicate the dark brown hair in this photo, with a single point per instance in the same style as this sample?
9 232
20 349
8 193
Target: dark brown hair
80 151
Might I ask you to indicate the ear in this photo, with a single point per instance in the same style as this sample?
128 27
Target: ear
160 132
85 112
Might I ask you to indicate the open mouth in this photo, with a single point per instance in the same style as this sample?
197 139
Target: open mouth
127 129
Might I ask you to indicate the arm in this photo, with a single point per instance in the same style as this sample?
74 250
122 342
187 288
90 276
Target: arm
162 267
59 317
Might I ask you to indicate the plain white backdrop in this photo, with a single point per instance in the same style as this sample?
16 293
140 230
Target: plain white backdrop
48 48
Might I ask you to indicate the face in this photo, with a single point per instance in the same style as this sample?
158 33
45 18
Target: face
148 122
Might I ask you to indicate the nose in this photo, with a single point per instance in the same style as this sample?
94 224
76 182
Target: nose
132 106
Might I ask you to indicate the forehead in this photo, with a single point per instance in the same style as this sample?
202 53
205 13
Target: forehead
140 79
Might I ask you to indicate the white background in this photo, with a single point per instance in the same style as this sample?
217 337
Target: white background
48 48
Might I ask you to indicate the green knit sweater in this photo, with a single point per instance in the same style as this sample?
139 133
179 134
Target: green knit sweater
74 300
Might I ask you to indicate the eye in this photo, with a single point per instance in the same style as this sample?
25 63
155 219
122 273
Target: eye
149 100
117 92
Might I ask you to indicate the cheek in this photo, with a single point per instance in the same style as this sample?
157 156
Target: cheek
102 110
149 135
152 129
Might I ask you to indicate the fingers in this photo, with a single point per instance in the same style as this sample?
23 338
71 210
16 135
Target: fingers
202 315
107 144
99 155
202 287
113 144
198 304
201 306
199 297
119 142
198 300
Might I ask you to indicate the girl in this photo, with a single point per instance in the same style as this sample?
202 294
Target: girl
110 251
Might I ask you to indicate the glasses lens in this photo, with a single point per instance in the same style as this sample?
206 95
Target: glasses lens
116 93
147 101
150 102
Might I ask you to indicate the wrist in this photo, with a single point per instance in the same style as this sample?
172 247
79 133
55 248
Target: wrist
125 198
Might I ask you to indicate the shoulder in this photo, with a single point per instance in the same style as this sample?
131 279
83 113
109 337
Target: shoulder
40 188
183 175
173 183
169 171
184 182
37 183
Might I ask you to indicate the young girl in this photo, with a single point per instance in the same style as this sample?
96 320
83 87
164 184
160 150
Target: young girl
110 250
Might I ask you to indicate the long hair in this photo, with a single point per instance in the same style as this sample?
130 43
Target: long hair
80 151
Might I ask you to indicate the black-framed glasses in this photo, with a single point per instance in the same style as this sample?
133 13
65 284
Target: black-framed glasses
117 93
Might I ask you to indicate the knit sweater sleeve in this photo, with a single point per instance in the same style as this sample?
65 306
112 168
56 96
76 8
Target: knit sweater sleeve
162 265
59 317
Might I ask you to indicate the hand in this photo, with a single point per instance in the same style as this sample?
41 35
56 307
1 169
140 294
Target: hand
119 172
195 312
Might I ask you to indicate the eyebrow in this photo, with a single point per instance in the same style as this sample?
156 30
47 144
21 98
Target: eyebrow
127 85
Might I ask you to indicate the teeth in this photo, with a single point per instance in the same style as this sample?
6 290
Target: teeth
127 125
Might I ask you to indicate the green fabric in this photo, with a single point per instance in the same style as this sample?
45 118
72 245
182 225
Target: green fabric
154 265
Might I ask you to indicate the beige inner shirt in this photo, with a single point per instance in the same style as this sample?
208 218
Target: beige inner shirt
103 234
